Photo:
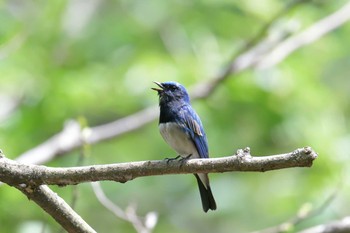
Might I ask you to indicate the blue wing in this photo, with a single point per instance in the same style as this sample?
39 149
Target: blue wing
194 128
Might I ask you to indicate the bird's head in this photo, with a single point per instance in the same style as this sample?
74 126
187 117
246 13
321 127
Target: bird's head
171 91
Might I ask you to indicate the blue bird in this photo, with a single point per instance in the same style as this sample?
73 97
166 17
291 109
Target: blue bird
182 129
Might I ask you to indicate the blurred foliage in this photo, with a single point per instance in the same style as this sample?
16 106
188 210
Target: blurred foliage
96 60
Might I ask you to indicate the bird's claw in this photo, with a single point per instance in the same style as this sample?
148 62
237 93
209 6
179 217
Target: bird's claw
172 159
184 159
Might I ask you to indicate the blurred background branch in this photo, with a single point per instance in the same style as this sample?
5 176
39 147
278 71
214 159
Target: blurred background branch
307 211
9 104
309 35
340 226
141 225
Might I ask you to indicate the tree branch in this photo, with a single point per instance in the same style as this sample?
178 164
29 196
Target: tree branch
14 173
50 202
56 207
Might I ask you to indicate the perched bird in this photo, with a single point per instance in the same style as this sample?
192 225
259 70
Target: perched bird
182 129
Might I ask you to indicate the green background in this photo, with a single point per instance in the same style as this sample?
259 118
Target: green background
95 61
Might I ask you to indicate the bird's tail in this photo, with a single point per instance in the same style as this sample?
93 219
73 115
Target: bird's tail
208 201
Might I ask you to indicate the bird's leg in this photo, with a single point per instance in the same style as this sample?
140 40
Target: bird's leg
171 159
184 159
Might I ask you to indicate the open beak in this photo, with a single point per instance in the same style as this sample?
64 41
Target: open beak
159 85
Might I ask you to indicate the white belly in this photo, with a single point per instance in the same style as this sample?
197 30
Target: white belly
178 139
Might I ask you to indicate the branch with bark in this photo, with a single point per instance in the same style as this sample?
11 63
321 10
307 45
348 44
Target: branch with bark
15 173
55 206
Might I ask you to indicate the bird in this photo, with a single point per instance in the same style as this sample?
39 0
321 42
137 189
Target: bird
182 129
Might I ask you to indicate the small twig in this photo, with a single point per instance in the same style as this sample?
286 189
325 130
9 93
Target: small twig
304 213
82 155
141 226
340 226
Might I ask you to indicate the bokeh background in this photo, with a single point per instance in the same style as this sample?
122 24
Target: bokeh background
94 61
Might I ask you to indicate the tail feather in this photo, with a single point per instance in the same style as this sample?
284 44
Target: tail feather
208 201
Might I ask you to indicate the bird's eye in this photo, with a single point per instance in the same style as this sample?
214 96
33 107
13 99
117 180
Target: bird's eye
173 88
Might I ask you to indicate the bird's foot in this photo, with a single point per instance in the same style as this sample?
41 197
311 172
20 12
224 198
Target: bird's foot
184 159
172 159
